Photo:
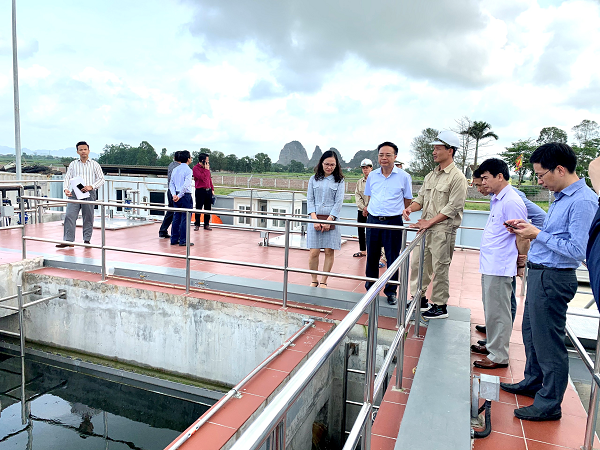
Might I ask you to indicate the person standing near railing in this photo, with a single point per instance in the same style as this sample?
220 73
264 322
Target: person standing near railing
442 200
204 189
324 199
498 263
90 177
557 250
593 248
390 191
362 201
181 189
166 223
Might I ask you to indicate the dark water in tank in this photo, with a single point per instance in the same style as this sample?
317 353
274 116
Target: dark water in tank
73 411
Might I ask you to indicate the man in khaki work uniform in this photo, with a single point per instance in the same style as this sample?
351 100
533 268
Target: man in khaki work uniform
442 199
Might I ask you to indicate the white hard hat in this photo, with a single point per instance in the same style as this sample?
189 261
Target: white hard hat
366 162
398 162
448 138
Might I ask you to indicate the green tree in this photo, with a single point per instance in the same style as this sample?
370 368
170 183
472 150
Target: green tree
145 155
217 160
279 168
244 164
164 159
261 163
552 134
196 153
117 154
586 131
523 147
422 152
230 163
463 154
296 167
481 132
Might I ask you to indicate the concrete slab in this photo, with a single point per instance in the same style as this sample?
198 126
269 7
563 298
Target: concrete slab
440 392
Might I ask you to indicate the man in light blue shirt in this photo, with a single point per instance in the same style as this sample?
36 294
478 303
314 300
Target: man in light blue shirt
498 263
181 187
556 251
390 191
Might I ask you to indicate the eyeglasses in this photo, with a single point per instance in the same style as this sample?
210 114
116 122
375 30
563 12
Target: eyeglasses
329 165
543 175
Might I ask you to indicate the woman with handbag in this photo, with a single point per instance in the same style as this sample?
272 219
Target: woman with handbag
325 196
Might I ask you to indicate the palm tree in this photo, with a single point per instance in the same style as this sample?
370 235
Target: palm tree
480 131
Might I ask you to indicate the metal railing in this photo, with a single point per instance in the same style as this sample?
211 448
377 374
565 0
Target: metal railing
594 369
20 309
270 425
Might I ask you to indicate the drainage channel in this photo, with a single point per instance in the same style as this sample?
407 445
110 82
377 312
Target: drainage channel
75 405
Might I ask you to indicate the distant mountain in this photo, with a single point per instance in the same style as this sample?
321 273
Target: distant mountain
337 152
70 151
362 154
293 151
314 159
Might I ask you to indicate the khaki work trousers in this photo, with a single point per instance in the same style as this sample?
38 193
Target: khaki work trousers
439 247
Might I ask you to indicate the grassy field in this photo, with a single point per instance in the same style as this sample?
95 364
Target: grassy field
486 206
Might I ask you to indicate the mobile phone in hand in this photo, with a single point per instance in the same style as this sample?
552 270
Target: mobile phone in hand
510 226
80 186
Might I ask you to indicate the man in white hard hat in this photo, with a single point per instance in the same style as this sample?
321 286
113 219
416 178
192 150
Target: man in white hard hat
398 164
362 201
442 200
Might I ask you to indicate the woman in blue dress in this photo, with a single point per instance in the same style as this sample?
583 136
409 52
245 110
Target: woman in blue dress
325 196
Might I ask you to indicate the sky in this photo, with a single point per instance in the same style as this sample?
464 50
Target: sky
245 77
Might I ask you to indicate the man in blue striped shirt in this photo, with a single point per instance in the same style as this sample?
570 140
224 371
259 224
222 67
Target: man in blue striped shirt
181 189
556 251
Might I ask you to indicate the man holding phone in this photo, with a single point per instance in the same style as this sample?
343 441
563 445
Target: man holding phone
91 174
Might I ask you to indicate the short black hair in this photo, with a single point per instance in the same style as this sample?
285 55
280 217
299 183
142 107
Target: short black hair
494 166
81 143
202 157
388 144
554 154
184 156
476 173
176 156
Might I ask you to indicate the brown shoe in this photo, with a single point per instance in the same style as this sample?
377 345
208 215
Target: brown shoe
208 228
486 363
196 228
64 245
475 348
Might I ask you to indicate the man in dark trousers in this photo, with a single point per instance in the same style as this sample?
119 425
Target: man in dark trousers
556 251
204 189
593 249
164 228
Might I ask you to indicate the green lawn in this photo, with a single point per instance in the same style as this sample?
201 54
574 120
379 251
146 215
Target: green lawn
486 206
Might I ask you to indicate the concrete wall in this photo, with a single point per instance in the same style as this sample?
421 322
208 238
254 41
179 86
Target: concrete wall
11 275
219 342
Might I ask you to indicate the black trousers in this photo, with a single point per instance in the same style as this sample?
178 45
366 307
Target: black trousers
391 241
547 366
166 223
203 201
362 242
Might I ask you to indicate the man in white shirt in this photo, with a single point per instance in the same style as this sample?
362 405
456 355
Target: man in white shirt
90 173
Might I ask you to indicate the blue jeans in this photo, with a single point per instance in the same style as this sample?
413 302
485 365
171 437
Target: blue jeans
179 228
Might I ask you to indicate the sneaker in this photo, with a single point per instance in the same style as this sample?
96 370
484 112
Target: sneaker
436 312
425 304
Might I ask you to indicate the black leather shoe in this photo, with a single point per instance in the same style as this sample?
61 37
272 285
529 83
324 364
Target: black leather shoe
86 242
479 349
392 300
514 388
535 414
183 245
482 342
480 328
164 236
64 245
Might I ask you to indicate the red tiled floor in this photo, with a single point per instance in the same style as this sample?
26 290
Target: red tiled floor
386 427
500 441
382 443
568 431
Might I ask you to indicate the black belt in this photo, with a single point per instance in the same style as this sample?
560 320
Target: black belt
382 218
543 267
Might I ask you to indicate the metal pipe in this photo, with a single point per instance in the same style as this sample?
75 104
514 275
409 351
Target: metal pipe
61 294
355 432
370 371
344 393
103 237
235 391
22 206
402 292
583 314
590 425
22 352
10 297
10 333
395 345
417 328
286 260
188 219
16 93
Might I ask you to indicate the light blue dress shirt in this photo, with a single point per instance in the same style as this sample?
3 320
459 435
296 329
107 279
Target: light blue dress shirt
563 240
534 213
181 180
387 194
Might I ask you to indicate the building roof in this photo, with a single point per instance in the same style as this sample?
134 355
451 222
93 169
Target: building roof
266 195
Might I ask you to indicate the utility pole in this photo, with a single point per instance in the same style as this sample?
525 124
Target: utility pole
16 91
